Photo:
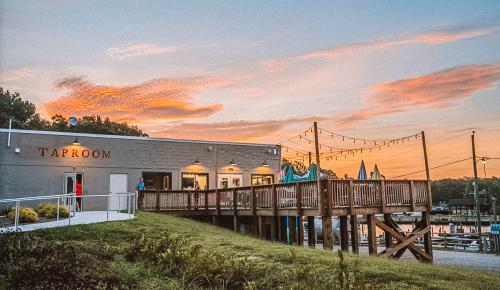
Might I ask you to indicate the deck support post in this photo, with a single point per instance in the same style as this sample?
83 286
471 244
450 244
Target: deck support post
372 234
311 232
354 234
274 235
236 223
261 223
344 234
426 219
281 229
292 229
300 233
327 233
387 235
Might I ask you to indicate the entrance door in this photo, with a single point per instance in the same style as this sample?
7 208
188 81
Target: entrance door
117 185
230 180
69 186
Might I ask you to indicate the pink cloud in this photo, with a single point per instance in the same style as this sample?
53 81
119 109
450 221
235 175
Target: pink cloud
437 90
241 131
140 49
17 74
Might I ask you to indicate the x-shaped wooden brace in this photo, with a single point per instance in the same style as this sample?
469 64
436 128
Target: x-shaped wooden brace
405 242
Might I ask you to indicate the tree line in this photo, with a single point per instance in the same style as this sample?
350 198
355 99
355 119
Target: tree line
23 115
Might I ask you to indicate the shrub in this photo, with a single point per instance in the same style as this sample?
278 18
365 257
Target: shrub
49 210
26 215
28 262
196 265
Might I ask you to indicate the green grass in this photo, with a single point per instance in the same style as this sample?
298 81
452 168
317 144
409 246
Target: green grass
273 263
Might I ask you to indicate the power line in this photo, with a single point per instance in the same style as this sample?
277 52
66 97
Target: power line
435 167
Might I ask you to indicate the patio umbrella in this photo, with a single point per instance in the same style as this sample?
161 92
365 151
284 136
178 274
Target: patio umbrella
313 172
362 171
289 177
376 174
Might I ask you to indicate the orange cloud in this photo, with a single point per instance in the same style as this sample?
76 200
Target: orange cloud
241 131
160 99
436 90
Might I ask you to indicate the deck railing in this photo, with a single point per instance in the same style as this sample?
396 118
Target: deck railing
304 195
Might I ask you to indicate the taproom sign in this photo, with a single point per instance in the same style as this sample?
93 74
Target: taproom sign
74 153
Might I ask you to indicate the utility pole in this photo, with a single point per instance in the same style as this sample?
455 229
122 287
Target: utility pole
323 201
476 193
426 217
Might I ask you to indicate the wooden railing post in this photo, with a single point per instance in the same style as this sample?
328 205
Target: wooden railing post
206 200
298 195
382 195
429 195
412 195
217 201
189 200
235 202
352 202
157 200
254 201
140 202
275 199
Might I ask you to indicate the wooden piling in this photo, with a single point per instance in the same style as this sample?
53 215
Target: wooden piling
311 232
372 234
344 234
387 235
292 229
354 234
327 233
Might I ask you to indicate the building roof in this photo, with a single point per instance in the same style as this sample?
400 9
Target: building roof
74 134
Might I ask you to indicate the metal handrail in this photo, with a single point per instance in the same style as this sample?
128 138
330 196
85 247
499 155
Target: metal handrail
41 197
131 206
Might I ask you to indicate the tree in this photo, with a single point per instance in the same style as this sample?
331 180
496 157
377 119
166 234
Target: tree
22 113
24 116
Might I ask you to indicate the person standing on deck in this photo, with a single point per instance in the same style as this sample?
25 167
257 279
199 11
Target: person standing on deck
140 184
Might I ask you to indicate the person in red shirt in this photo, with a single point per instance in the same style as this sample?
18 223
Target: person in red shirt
78 193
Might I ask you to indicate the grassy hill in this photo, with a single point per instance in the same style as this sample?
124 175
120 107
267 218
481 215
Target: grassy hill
163 252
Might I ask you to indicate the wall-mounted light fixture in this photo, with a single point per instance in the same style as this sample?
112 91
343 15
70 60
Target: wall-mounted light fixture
197 161
76 143
265 164
232 163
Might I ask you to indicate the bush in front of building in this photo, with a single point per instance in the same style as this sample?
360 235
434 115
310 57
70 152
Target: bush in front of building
26 215
49 210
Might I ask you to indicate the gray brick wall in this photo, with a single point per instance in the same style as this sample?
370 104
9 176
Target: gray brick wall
29 174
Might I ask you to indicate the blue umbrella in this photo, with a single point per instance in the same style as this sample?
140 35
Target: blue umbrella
362 171
313 172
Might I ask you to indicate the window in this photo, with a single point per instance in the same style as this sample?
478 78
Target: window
189 181
230 180
157 180
262 179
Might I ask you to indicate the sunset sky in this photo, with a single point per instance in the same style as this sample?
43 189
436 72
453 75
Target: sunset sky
264 71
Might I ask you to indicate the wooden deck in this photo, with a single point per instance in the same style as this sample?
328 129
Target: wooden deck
345 197
265 207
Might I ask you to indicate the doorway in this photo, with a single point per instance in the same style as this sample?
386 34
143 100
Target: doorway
118 186
229 180
69 185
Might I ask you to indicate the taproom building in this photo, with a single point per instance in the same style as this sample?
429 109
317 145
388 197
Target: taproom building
35 163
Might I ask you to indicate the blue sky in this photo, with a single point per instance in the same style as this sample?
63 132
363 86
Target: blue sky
261 70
